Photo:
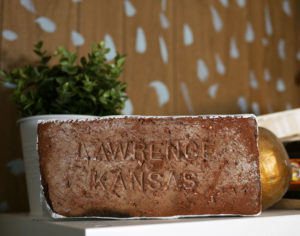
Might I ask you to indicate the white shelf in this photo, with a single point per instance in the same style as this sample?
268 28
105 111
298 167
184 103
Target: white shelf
271 222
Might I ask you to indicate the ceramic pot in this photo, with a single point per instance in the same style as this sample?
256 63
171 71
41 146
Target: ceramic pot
28 128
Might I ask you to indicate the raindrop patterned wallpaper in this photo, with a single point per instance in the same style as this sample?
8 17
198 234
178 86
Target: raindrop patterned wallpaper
184 57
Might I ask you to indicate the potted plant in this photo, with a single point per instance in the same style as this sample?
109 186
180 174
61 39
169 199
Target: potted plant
63 90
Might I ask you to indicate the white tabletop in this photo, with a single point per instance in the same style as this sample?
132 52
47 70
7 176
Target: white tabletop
271 222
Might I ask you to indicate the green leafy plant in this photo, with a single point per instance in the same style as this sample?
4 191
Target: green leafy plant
92 87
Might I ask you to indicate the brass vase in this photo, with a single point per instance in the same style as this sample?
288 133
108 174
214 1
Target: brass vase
275 168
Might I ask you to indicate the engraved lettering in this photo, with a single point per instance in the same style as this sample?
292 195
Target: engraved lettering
131 155
182 148
119 181
101 180
123 150
138 180
155 153
108 150
115 180
82 151
189 181
101 154
115 149
144 157
138 150
152 151
191 150
154 182
173 150
172 179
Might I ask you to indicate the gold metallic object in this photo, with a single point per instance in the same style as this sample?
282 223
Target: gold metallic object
275 168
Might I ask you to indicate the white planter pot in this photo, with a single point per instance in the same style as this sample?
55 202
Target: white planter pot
28 127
